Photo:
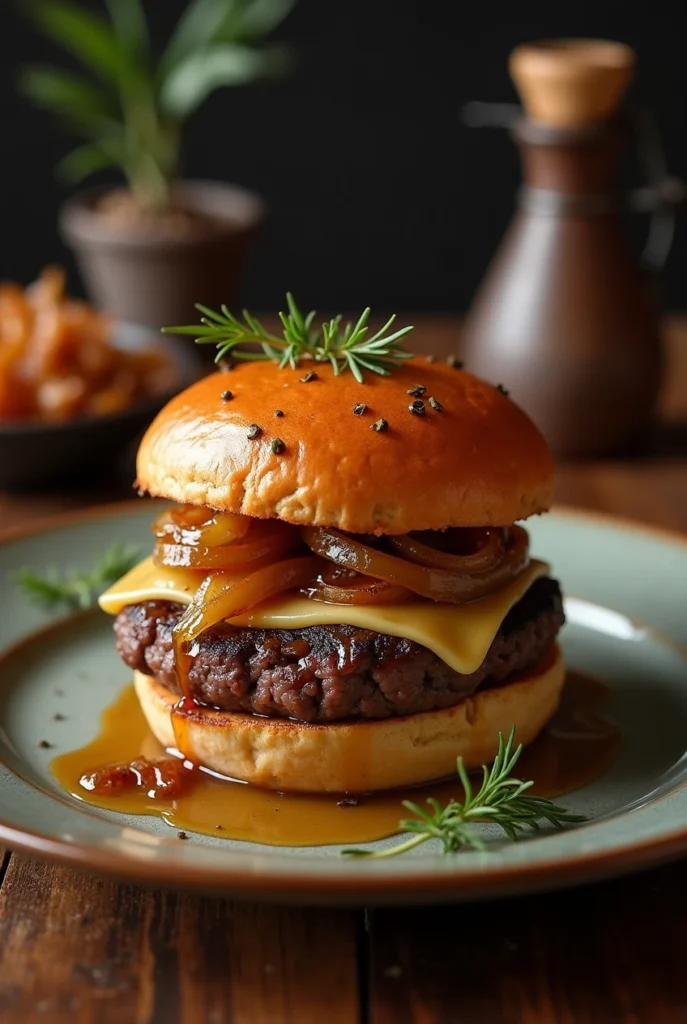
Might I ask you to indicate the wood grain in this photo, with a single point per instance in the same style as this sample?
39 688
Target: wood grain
605 953
79 950
654 493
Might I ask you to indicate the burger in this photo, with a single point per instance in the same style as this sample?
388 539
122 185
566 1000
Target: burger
340 597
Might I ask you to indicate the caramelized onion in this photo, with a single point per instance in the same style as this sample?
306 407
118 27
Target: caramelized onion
221 596
434 583
340 586
198 525
263 544
489 551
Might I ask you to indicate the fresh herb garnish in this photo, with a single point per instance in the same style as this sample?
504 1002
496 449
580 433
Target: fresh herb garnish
77 590
344 346
500 800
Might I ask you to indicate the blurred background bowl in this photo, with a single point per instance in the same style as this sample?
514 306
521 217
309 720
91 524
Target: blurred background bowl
36 454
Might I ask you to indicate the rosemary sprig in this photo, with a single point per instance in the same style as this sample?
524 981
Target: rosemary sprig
73 590
500 800
344 346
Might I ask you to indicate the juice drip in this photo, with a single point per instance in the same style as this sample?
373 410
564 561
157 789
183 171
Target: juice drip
180 727
575 748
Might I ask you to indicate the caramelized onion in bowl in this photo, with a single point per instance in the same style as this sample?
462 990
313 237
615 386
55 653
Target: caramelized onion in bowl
59 360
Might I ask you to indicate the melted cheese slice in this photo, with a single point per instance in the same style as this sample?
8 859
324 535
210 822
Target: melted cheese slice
460 635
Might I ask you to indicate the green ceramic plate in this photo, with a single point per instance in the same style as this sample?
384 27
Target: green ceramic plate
626 604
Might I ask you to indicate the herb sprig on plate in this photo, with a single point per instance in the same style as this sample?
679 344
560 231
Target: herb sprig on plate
76 591
344 346
500 800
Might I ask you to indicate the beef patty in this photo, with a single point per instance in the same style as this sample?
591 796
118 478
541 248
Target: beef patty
330 673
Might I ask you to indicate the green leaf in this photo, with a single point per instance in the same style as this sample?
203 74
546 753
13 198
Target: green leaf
330 342
203 23
88 37
195 78
84 161
75 590
66 94
130 25
260 17
136 83
500 801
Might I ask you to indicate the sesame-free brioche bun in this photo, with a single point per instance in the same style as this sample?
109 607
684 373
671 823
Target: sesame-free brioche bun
475 461
361 756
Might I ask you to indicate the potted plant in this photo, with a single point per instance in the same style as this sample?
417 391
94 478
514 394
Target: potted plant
150 249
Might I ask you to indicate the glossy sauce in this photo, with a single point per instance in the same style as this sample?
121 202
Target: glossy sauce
576 747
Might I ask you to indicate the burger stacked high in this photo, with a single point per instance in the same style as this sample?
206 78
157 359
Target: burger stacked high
340 600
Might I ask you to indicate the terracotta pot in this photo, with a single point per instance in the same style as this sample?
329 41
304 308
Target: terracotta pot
154 278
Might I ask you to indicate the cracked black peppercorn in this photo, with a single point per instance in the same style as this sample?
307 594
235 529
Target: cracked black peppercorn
501 390
227 396
417 408
310 375
417 392
437 406
278 412
278 446
254 431
359 409
455 362
380 426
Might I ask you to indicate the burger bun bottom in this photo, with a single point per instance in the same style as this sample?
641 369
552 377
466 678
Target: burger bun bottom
360 756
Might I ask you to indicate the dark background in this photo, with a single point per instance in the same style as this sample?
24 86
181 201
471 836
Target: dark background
378 193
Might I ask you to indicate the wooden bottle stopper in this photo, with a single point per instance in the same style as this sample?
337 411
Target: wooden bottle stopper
568 83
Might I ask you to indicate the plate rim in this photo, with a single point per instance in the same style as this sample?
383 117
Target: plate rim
369 888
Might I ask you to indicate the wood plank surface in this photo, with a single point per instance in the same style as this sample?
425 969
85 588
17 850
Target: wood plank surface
80 950
610 953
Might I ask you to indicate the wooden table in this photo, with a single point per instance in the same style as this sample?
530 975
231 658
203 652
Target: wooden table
77 949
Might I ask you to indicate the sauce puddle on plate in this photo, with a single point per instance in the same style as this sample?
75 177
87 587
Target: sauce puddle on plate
575 748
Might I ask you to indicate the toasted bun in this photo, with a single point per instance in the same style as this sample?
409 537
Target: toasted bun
361 756
479 462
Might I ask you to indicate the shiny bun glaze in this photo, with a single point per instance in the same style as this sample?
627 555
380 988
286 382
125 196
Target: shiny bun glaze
358 757
479 462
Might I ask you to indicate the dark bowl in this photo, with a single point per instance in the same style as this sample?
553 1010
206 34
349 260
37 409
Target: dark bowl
36 454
